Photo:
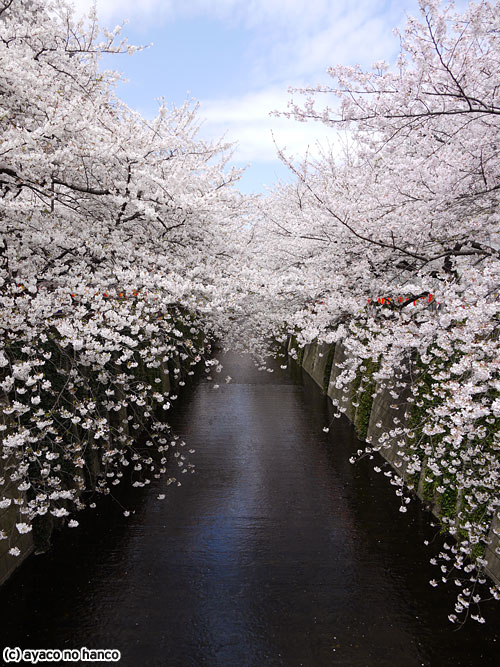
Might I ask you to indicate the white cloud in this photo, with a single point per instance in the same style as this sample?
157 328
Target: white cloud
297 14
247 120
285 38
252 12
118 10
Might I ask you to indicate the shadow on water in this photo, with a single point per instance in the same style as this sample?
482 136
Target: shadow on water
276 552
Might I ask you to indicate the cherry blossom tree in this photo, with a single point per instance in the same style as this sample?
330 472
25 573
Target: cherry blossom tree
115 235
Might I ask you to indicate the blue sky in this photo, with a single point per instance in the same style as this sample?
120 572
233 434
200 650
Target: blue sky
238 58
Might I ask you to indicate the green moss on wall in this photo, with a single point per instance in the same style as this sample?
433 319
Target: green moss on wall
428 489
364 398
448 502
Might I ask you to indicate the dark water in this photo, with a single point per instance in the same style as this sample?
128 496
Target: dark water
276 552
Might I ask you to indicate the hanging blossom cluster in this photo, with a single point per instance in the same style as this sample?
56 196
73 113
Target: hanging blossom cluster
95 199
405 201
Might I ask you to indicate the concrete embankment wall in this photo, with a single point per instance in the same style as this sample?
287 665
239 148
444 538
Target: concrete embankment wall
375 417
8 518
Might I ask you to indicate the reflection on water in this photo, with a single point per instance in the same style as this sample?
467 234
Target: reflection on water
276 552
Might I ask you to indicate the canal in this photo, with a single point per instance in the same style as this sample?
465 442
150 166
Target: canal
277 551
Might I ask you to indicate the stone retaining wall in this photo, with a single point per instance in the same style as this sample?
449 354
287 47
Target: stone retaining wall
8 519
